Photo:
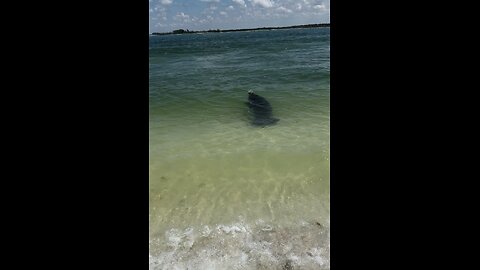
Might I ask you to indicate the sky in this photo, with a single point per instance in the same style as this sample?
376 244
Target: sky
196 15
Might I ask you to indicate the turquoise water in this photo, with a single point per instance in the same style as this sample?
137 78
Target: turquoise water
225 194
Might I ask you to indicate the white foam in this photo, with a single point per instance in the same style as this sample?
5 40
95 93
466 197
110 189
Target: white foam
231 229
240 246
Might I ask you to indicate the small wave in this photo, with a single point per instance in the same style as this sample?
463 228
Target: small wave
261 245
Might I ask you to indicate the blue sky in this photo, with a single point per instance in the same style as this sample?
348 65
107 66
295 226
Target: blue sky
168 15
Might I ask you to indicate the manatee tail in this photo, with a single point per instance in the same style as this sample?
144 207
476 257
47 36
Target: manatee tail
265 122
274 120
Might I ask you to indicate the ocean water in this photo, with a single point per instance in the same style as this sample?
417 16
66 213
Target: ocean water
225 194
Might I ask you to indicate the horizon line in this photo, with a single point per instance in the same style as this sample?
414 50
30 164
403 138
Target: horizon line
186 31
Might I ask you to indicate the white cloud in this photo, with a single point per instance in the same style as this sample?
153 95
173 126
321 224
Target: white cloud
157 12
230 8
210 1
182 17
283 9
209 10
263 3
166 2
223 13
159 8
240 2
319 7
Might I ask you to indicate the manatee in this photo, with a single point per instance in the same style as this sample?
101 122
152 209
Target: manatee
260 110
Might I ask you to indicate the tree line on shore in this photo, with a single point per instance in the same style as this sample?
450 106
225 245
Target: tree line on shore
183 31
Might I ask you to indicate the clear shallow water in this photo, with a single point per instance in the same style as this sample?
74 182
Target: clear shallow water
223 193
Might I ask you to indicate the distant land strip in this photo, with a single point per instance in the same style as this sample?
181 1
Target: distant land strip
182 31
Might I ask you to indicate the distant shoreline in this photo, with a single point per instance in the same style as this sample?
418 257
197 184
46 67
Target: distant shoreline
182 31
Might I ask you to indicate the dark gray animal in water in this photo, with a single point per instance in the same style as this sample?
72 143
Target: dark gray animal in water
260 110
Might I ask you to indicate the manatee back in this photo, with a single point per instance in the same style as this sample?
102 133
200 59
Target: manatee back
258 100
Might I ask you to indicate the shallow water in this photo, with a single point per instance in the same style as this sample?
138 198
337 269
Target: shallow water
225 194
